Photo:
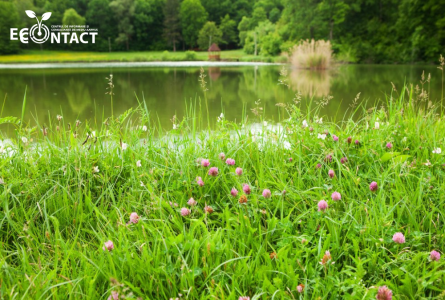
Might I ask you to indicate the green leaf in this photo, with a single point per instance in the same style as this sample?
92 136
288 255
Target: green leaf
401 158
197 271
387 156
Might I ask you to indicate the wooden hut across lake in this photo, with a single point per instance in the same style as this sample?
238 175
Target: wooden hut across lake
214 52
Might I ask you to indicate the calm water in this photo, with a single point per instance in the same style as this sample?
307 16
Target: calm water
80 92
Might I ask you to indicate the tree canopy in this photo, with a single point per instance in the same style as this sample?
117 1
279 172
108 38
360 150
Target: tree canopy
209 34
193 17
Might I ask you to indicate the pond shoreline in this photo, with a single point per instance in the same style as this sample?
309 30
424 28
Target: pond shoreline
181 64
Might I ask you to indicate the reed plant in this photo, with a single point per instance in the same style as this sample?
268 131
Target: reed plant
311 54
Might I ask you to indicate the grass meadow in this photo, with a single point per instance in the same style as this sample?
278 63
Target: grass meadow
120 208
36 56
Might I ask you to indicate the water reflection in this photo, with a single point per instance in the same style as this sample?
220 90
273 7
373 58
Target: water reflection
311 83
80 93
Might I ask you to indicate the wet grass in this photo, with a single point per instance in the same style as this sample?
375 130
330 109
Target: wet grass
69 188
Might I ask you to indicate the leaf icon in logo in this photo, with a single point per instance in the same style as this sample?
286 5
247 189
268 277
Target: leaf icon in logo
46 16
30 13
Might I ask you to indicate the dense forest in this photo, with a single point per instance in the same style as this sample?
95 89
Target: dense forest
368 31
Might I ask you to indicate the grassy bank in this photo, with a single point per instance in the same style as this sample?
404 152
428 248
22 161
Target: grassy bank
67 56
101 208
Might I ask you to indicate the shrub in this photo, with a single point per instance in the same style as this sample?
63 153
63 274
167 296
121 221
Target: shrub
165 56
190 56
346 54
287 47
140 58
270 44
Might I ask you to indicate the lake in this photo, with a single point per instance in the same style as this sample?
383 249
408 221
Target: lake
79 93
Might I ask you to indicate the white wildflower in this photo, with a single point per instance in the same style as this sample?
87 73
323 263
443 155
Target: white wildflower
305 124
322 136
175 126
220 118
124 146
437 151
144 128
287 145
59 117
24 140
96 169
138 164
377 125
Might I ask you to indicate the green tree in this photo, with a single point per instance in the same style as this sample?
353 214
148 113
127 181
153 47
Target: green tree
193 17
57 9
334 12
209 34
241 8
243 28
258 15
301 20
172 22
100 15
124 12
21 7
228 29
261 35
71 17
217 9
9 18
420 28
148 22
274 15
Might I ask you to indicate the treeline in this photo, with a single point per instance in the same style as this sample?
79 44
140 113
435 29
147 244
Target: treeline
371 31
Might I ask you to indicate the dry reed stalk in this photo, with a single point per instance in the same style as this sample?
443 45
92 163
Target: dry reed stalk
311 54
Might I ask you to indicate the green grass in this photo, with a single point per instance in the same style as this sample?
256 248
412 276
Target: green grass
56 213
34 56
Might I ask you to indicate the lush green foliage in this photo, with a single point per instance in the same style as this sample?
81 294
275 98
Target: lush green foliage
208 35
371 31
67 189
124 11
228 29
9 18
193 17
71 17
172 22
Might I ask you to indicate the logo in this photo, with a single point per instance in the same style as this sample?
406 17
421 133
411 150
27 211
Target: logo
40 33
39 39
